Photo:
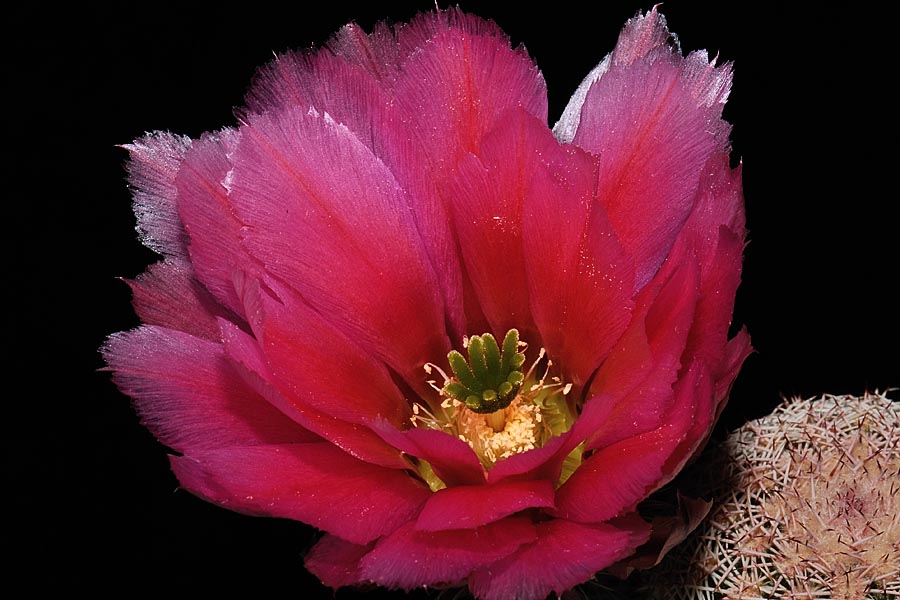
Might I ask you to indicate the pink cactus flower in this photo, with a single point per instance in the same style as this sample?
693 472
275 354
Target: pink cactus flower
395 305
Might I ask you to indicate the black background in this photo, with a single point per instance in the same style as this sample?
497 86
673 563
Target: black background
92 501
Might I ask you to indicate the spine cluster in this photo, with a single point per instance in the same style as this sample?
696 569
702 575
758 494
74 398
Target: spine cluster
808 506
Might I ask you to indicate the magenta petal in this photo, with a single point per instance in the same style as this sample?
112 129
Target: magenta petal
451 458
736 351
698 383
188 394
214 229
637 378
466 507
615 478
323 369
654 119
541 463
456 87
641 34
564 555
335 561
168 294
357 440
714 236
153 166
488 192
719 281
580 281
329 219
329 84
719 203
409 558
718 286
314 483
349 88
460 80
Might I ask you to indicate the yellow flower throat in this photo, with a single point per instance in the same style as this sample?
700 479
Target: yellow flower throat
492 405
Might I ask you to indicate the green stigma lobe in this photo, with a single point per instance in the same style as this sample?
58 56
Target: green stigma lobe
490 379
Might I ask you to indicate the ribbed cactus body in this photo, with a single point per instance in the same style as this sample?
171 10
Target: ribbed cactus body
808 506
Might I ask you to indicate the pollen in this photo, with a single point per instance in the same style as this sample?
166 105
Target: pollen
520 430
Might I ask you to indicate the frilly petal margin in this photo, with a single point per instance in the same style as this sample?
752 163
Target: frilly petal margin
209 217
315 483
654 117
638 37
153 165
190 396
168 294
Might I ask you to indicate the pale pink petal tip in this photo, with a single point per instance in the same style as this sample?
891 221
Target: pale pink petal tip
155 160
654 118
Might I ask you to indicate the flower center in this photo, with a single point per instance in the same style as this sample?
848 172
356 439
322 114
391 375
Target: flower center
488 382
492 405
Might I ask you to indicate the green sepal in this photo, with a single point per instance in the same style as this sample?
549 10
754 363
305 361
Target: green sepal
571 462
429 476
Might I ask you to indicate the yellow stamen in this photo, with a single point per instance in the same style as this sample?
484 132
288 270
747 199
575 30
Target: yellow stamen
521 430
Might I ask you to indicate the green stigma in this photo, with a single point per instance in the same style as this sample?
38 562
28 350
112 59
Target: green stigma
490 379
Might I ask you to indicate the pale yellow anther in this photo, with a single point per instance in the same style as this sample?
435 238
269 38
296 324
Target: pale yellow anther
521 431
